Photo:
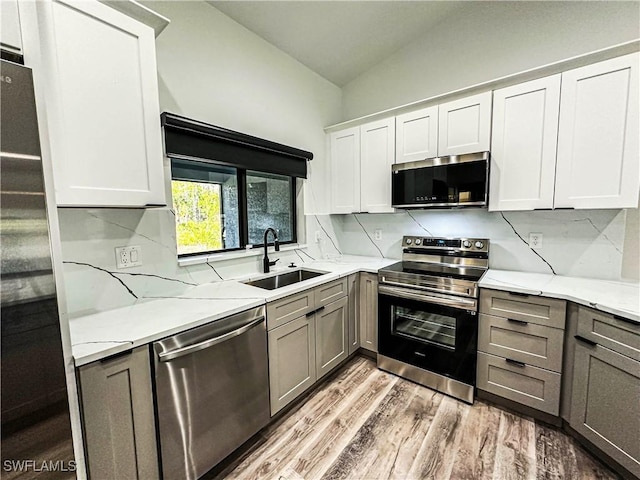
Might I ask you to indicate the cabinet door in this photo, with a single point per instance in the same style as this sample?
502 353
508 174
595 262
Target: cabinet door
464 125
332 346
523 145
604 403
292 361
97 70
377 147
417 135
10 37
345 171
598 165
118 417
369 311
353 286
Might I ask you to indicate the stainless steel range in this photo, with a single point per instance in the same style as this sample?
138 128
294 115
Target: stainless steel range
428 306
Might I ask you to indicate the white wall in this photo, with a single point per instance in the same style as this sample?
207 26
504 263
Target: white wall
487 40
211 69
481 42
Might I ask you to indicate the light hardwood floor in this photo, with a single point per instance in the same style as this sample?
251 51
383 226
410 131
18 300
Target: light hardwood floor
368 424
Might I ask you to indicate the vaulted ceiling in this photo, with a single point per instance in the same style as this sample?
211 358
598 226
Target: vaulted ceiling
339 40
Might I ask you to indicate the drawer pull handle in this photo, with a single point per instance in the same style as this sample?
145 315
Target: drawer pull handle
515 362
585 340
519 322
627 320
313 312
518 294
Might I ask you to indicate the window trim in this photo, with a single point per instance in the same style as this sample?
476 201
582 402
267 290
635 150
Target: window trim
243 218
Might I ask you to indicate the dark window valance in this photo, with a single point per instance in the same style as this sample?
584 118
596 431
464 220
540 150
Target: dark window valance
186 138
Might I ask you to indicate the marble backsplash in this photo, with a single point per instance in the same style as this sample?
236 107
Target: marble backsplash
92 281
580 243
575 243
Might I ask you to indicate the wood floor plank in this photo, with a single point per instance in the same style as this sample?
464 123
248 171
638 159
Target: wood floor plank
588 467
368 424
436 457
316 458
405 440
477 450
362 450
286 438
515 450
555 457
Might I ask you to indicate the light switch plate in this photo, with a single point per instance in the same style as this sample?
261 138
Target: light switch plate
127 257
377 234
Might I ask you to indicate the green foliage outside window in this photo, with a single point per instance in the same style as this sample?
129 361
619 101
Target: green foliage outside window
198 216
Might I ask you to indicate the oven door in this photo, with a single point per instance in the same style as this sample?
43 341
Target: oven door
435 332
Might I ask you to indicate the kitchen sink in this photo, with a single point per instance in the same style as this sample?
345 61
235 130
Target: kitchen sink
284 279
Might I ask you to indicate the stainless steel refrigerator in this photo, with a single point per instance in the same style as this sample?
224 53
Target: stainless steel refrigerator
34 404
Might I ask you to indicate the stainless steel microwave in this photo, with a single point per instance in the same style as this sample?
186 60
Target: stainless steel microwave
454 181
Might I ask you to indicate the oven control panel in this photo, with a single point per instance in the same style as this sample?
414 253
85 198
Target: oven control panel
463 244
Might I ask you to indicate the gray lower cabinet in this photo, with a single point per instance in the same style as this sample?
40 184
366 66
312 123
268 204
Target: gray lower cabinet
353 286
531 386
605 402
308 335
331 336
520 348
536 309
369 311
118 417
533 344
292 360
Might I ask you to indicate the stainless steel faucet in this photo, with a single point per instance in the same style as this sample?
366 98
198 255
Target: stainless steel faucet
265 261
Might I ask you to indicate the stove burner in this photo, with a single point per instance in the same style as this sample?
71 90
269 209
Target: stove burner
457 262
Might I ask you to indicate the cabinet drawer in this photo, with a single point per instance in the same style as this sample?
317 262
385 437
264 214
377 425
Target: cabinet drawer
532 344
529 308
528 385
286 309
614 332
330 292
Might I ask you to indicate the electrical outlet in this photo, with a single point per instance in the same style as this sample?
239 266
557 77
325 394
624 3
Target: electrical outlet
377 234
317 236
535 240
127 257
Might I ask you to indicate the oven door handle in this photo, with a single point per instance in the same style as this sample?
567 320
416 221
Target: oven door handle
460 303
418 287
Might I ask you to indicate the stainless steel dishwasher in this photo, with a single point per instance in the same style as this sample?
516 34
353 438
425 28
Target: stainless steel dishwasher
212 392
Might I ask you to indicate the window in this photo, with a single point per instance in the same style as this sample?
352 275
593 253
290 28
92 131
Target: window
220 208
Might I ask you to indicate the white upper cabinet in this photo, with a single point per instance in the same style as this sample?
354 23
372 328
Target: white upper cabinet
376 157
417 135
361 159
10 37
345 171
465 125
523 145
96 69
598 161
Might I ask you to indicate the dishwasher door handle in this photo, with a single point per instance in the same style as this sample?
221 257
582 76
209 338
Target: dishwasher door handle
182 351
